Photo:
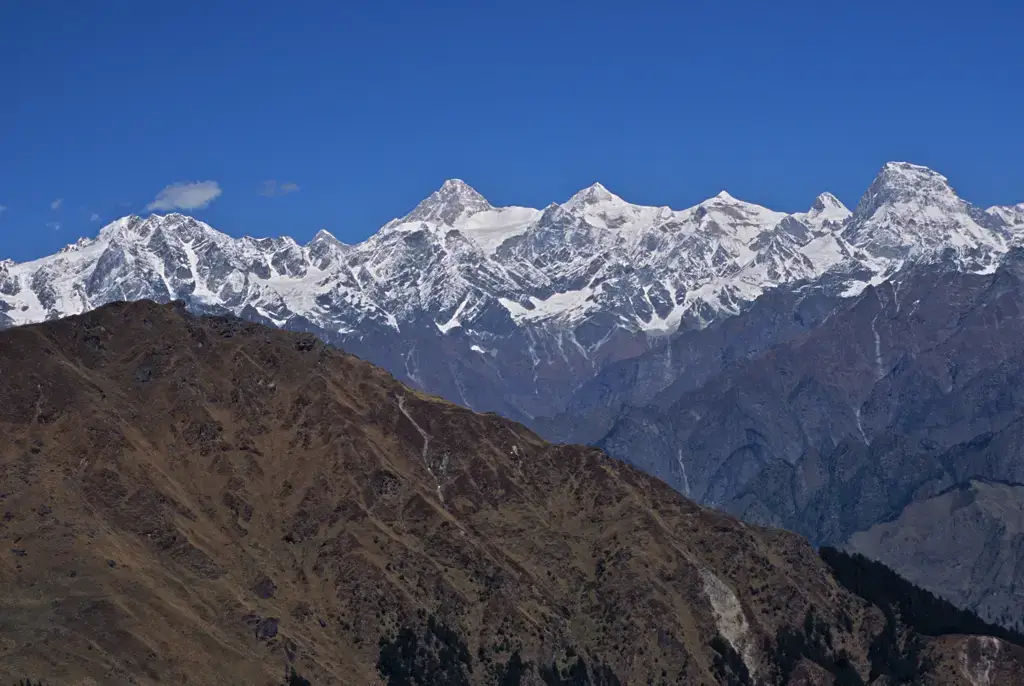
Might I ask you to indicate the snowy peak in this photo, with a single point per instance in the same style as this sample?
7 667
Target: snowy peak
552 214
904 182
637 266
324 236
726 215
602 209
460 188
592 195
1009 216
725 199
136 228
826 202
912 173
324 249
827 210
120 226
910 210
453 201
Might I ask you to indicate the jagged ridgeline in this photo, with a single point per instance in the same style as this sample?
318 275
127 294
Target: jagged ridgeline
511 309
210 499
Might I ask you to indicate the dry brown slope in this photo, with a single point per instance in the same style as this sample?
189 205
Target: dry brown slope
207 501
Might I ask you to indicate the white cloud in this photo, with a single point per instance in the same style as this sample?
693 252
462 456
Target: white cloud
273 189
186 196
94 217
3 208
53 225
55 205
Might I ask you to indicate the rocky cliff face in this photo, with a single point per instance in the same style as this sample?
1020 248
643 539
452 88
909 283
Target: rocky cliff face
967 540
909 389
213 500
827 409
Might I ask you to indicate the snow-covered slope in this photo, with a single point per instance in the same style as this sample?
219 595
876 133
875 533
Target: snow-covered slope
546 295
449 259
911 209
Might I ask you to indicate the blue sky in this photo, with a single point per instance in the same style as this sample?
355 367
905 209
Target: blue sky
366 107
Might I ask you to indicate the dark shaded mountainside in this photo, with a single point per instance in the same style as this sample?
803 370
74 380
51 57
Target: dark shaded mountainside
209 501
852 376
859 431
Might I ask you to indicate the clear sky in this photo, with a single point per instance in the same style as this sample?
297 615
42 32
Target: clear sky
357 110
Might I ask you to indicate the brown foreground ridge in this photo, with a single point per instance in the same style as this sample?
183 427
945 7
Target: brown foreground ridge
191 500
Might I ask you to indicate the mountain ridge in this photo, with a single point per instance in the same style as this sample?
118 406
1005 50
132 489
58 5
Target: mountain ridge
543 296
210 499
835 418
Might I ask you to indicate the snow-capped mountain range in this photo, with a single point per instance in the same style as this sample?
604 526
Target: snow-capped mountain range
543 295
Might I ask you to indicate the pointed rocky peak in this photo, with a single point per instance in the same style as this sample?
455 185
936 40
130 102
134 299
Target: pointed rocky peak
552 213
460 188
827 209
325 236
909 208
827 201
455 199
1011 216
914 173
723 199
903 182
907 177
592 195
324 249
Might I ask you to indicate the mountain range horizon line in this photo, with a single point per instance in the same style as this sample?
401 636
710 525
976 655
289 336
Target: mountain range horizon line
473 265
456 188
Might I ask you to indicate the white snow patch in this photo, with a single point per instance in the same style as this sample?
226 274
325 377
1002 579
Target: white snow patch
490 228
824 252
552 306
453 322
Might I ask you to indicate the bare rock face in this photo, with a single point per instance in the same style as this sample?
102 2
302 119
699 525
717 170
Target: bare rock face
834 427
966 542
260 501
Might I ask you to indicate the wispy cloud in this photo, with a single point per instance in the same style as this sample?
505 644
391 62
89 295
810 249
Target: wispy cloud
3 208
55 205
186 195
94 217
272 189
53 225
